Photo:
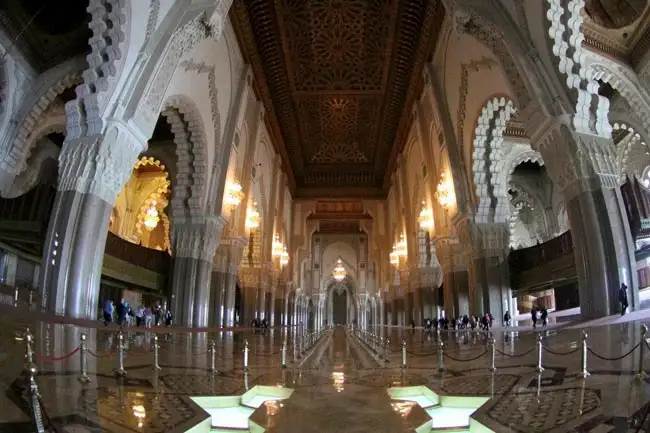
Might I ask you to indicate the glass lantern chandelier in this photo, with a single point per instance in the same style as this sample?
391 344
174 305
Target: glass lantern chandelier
234 195
394 258
277 248
151 217
425 219
284 257
445 191
253 218
339 271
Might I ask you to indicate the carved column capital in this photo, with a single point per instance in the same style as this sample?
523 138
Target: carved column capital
100 164
577 162
198 238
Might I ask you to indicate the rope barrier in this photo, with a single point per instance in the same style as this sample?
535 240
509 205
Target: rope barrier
618 358
421 354
466 360
515 355
101 355
46 358
570 352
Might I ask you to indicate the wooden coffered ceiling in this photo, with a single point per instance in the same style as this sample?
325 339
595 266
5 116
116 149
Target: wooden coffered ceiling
338 79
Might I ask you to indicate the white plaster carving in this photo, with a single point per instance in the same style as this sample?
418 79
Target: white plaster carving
191 152
109 24
197 239
99 164
487 156
20 141
567 46
215 172
183 41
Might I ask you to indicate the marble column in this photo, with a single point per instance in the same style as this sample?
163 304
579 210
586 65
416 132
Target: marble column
230 293
92 171
217 297
492 280
234 253
10 267
584 168
194 246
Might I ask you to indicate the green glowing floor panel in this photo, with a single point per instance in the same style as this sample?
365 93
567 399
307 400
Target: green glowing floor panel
232 413
447 413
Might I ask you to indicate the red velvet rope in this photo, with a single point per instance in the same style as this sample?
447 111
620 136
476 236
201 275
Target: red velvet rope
55 358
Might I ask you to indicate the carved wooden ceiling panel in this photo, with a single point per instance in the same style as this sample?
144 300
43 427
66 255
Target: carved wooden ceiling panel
338 78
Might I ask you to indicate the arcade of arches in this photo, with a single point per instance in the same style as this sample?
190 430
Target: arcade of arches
227 159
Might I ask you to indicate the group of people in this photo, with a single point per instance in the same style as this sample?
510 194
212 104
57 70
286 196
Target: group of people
259 324
539 314
124 315
483 322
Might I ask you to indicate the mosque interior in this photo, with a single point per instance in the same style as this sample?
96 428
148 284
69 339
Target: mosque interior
325 215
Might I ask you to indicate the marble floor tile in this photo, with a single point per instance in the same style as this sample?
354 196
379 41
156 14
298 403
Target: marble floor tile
339 386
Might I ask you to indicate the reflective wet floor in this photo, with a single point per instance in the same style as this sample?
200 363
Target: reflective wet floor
339 384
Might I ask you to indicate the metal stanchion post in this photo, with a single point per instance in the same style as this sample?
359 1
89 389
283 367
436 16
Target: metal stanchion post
540 350
156 353
284 354
493 353
403 354
441 356
83 360
245 355
386 347
16 297
120 371
293 348
212 353
34 395
584 372
641 374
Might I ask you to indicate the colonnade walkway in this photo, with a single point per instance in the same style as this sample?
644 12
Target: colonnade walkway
330 380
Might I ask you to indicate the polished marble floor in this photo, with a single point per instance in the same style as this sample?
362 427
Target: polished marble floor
340 385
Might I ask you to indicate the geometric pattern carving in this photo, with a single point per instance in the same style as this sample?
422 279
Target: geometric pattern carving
337 45
338 79
338 131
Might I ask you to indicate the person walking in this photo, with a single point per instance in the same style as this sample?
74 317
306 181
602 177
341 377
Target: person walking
622 298
533 317
108 312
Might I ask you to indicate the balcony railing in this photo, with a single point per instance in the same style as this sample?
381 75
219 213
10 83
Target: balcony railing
153 260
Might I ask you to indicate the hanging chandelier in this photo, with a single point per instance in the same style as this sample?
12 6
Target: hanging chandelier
445 191
426 217
151 217
401 249
276 249
234 195
339 271
284 257
394 257
253 218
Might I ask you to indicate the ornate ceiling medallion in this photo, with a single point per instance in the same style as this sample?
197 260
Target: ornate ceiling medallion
338 78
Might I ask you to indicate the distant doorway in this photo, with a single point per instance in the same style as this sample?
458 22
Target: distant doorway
340 307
